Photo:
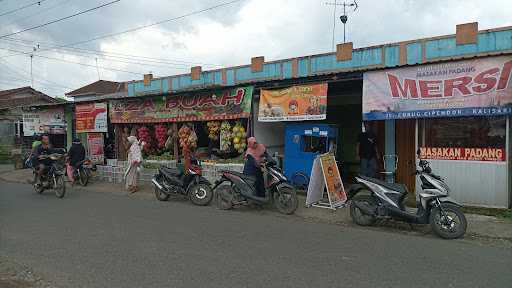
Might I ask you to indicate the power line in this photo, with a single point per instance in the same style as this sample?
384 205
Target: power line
105 56
108 54
136 28
10 67
72 62
25 18
150 25
22 7
60 19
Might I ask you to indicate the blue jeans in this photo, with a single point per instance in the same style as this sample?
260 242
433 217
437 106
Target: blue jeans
368 167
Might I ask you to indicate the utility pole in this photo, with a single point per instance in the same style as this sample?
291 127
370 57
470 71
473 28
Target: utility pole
34 49
31 73
343 17
97 69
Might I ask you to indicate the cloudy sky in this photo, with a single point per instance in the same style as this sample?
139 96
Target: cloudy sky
226 36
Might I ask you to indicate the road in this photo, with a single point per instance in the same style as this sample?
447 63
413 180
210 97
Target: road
105 240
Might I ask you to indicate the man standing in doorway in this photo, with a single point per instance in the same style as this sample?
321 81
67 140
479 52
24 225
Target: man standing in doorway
367 151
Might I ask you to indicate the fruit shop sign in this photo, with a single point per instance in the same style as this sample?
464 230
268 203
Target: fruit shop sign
230 104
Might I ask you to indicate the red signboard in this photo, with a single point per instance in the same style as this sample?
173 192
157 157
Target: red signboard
95 144
468 154
91 117
228 104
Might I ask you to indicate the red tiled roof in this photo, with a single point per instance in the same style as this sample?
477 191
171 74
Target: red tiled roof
99 87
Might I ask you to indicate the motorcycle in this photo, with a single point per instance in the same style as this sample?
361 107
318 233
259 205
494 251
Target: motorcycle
83 172
54 176
170 181
373 199
234 189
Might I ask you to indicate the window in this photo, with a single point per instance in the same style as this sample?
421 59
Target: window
463 132
314 144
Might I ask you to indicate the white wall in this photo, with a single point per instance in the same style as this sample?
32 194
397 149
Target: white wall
271 134
474 183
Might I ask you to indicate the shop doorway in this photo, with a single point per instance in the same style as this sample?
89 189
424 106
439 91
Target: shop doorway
405 139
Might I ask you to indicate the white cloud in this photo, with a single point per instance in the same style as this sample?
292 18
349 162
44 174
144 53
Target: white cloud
232 35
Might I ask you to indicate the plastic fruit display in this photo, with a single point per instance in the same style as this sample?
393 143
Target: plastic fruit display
161 135
187 137
225 136
145 136
239 135
213 129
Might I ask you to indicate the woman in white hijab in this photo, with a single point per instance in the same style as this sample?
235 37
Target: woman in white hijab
134 161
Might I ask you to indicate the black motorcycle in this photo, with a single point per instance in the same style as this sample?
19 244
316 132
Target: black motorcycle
171 181
53 177
83 172
235 188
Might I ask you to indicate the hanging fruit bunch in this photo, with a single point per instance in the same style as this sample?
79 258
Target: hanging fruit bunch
239 138
145 136
225 136
160 135
213 130
187 137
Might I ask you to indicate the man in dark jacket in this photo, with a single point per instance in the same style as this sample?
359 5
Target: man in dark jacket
76 155
368 152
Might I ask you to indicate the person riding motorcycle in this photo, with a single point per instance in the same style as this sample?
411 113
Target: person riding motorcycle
76 155
253 159
41 165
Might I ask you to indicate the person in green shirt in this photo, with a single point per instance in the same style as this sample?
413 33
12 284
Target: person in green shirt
36 143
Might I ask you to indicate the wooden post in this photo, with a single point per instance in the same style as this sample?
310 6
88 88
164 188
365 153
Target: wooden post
176 148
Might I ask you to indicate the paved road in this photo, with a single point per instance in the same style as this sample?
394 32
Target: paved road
105 240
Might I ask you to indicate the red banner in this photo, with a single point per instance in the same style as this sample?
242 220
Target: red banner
91 117
468 154
228 104
95 145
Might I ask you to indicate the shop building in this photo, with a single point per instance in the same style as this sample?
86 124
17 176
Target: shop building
401 126
90 118
14 104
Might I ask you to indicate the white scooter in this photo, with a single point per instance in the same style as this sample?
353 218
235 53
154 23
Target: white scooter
373 199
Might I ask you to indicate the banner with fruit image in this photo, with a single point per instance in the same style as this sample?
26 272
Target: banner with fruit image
227 104
297 103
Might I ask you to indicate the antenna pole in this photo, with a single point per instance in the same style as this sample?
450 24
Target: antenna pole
334 22
97 68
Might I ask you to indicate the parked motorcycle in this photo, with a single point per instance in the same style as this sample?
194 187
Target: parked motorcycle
83 172
373 199
170 181
235 188
54 176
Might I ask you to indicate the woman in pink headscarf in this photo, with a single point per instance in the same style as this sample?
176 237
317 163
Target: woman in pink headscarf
253 157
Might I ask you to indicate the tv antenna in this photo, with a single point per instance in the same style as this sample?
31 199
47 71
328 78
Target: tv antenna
344 18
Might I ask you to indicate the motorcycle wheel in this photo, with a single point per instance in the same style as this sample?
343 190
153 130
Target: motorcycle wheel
60 188
83 177
285 200
357 215
160 195
39 188
448 222
201 194
224 195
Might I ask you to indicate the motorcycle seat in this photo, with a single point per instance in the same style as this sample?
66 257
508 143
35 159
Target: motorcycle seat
171 172
401 188
247 178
